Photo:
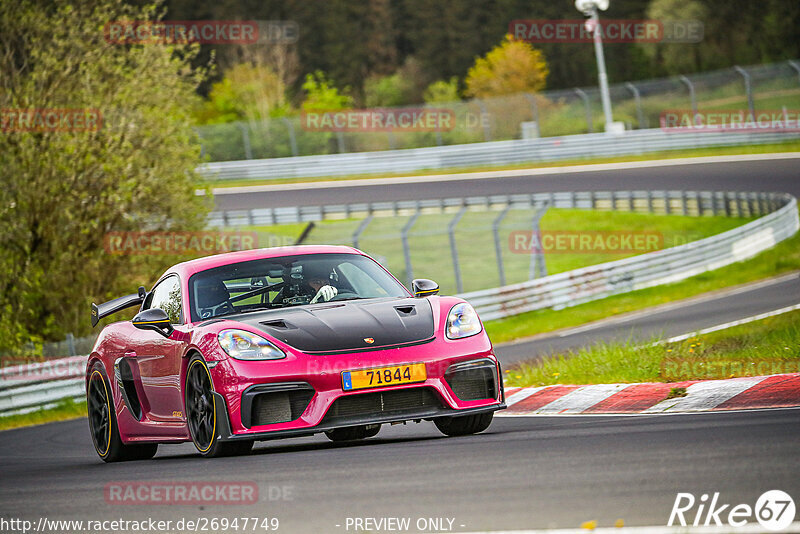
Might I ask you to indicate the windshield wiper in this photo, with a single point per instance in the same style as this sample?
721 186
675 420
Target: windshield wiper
248 310
260 307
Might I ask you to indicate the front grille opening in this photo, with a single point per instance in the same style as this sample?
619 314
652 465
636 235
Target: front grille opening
384 403
280 407
473 384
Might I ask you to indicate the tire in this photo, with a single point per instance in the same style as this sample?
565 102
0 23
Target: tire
201 414
464 425
103 426
352 433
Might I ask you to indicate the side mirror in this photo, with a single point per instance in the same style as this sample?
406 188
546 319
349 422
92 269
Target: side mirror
153 319
423 287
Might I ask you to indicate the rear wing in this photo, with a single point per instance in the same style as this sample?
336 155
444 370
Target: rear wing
113 306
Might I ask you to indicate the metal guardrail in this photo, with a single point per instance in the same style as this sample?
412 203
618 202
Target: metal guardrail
630 142
295 214
25 388
638 104
32 386
638 272
728 203
696 203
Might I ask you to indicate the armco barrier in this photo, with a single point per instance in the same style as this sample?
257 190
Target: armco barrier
28 387
723 203
597 281
491 153
661 267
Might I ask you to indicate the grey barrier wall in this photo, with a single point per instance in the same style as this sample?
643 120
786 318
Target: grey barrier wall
492 153
28 387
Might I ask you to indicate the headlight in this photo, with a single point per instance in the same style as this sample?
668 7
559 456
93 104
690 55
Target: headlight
243 345
462 321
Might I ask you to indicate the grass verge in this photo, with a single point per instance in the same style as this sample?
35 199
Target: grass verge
791 146
782 258
65 410
769 346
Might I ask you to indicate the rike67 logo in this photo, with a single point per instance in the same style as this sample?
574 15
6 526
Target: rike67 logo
774 510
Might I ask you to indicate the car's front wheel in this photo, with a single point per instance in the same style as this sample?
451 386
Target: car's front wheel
464 424
201 414
103 423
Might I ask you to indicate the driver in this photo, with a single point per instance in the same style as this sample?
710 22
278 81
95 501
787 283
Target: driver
213 298
317 277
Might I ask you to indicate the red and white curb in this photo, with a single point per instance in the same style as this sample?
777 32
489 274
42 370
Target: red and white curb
774 391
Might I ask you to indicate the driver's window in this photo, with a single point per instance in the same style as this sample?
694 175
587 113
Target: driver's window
167 296
362 282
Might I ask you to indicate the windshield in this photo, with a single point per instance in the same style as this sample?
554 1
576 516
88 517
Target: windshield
288 281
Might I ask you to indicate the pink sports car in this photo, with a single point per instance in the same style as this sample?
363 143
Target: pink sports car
282 342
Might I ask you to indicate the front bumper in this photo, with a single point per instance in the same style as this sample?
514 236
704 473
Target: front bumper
310 389
224 428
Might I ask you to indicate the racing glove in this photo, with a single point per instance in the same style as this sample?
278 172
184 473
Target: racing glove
325 294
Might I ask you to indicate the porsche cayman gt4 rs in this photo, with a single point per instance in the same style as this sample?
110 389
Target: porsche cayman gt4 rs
273 343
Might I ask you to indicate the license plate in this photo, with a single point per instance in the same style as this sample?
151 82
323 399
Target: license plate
384 376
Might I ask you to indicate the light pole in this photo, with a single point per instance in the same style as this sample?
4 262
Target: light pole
590 9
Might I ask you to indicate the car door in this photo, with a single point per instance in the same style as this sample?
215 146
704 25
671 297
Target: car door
159 358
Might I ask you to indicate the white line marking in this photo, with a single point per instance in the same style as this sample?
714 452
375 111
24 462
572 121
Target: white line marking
704 396
794 528
731 324
715 295
639 414
512 173
583 398
522 394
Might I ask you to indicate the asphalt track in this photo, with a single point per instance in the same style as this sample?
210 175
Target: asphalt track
522 473
765 175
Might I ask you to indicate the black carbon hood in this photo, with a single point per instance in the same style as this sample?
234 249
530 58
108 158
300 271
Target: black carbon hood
346 326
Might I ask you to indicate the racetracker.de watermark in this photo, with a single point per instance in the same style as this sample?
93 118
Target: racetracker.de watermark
178 243
239 32
331 365
30 369
50 120
611 31
677 369
584 242
730 120
380 120
184 493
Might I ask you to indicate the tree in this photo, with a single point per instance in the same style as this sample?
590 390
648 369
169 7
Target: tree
322 95
676 58
61 192
511 67
442 91
349 40
777 38
386 91
446 35
247 92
